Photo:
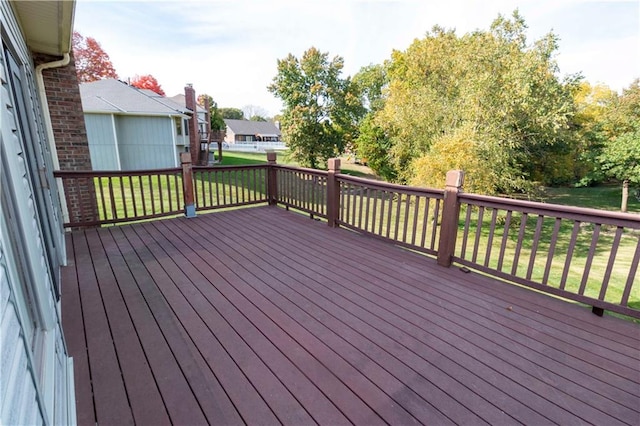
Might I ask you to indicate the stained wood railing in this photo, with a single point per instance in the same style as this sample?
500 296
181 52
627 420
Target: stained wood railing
571 252
590 256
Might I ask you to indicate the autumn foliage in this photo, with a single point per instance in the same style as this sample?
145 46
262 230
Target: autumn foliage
147 82
92 62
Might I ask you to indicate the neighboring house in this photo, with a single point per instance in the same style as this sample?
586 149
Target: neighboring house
239 131
181 99
36 375
133 129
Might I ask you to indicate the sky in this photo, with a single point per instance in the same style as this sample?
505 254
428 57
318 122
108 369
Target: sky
229 49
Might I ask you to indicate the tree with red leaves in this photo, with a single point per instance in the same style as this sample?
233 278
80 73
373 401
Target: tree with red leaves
92 62
147 82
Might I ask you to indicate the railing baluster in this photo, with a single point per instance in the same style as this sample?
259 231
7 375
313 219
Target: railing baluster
414 228
406 217
168 182
552 249
434 228
161 195
505 236
112 200
624 301
572 245
534 246
465 232
425 220
391 195
587 266
383 197
397 227
476 241
133 197
492 229
102 199
612 259
124 199
516 257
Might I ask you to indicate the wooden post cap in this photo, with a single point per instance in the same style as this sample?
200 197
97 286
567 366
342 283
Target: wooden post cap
185 157
455 178
271 157
333 164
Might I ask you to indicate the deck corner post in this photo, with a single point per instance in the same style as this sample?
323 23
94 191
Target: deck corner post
333 193
272 179
187 185
450 217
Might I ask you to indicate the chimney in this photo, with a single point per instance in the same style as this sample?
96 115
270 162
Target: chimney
194 139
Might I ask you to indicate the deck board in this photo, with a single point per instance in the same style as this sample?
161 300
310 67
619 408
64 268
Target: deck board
262 316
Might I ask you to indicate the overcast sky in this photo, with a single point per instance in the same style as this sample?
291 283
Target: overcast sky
229 49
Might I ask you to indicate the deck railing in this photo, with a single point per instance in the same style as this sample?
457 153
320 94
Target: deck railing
590 256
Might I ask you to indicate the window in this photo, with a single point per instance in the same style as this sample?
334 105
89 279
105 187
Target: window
178 121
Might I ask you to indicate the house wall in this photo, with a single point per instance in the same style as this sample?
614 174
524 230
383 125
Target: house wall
34 367
102 141
145 142
67 121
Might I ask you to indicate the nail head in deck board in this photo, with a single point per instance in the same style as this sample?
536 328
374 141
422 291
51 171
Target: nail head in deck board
575 354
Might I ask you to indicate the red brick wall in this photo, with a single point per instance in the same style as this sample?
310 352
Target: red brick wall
194 138
70 134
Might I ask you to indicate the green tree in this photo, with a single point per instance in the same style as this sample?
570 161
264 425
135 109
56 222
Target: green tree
232 113
321 108
373 144
620 155
257 118
489 85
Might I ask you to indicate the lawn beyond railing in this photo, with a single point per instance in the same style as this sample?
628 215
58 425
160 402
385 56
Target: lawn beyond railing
590 256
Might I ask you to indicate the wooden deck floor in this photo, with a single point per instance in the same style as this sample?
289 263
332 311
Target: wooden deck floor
263 316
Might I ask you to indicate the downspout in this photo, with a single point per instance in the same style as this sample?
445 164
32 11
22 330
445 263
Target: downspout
50 137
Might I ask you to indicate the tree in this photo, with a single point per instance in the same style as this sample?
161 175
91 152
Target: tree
489 85
91 61
232 113
251 111
620 155
148 82
321 108
217 122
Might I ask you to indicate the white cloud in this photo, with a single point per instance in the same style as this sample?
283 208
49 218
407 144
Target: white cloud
229 49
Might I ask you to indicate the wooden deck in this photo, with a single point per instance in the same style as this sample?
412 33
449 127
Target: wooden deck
263 316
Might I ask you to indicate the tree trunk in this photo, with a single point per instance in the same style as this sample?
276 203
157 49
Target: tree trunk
625 195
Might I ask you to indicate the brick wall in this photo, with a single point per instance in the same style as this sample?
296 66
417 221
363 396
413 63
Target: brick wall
194 138
70 134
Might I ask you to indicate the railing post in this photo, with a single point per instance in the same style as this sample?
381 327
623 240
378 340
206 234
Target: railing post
450 217
333 193
187 185
272 179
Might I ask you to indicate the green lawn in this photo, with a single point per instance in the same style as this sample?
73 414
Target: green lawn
604 197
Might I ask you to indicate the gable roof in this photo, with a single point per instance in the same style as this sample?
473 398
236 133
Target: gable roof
181 99
114 96
246 127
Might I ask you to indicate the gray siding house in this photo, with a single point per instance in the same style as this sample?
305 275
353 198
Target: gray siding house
36 375
133 129
239 131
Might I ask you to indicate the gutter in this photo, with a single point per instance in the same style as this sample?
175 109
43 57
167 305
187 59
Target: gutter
49 130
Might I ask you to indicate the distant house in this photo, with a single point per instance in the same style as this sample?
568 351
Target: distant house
133 129
180 99
239 131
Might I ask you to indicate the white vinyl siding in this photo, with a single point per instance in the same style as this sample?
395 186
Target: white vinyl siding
145 142
102 141
31 246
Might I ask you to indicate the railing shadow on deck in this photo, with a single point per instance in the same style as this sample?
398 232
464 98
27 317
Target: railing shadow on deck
585 255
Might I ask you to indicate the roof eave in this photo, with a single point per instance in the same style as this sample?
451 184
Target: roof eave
47 25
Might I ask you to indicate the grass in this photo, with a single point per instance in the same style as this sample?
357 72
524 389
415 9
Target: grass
604 197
